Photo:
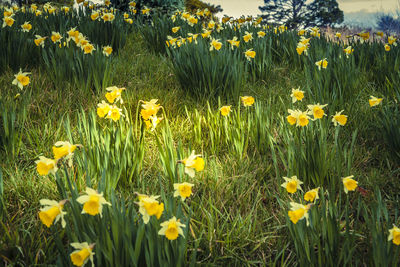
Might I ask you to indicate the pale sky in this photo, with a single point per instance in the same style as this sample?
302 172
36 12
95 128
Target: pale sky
236 8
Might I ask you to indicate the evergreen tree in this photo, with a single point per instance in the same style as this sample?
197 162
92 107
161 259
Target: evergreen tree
323 13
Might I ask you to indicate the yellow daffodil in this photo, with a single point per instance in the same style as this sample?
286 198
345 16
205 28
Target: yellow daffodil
149 206
364 35
130 21
297 95
211 24
83 252
65 9
392 40
150 108
115 113
64 149
302 48
88 49
102 109
51 211
55 37
292 184
394 234
8 12
92 202
260 34
152 122
206 34
94 15
387 47
348 50
316 110
107 50
380 34
293 116
132 3
114 94
250 53
248 37
225 110
315 32
171 229
215 44
21 79
146 11
298 212
73 33
301 32
38 13
193 163
108 17
338 35
339 118
107 2
302 119
225 19
373 101
349 184
44 166
175 29
234 42
26 27
192 20
322 63
8 21
311 195
247 101
183 190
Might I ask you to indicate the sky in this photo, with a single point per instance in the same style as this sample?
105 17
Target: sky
236 8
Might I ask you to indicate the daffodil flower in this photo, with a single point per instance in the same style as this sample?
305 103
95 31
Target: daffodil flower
8 21
339 118
171 229
92 202
316 110
107 50
349 184
312 195
348 50
114 94
55 37
150 108
52 212
21 79
115 113
298 212
248 37
82 254
373 101
292 184
149 206
297 95
260 34
225 110
44 166
234 42
247 101
293 116
183 190
102 109
215 44
250 53
88 49
322 63
26 27
394 235
193 163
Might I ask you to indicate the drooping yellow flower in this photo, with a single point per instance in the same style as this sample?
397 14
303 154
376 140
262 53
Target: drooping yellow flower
302 48
322 63
349 184
146 11
297 95
292 184
394 234
293 116
92 202
338 35
183 190
102 109
64 149
387 47
206 34
348 50
108 17
51 211
380 34
193 163
339 118
247 100
130 21
211 24
38 13
149 206
250 53
21 79
311 195
94 15
364 35
44 166
392 40
88 49
175 29
107 50
298 212
315 32
373 101
192 20
248 36
171 229
316 110
215 44
234 42
56 37
8 21
150 108
225 19
301 32
26 27
225 110
83 252
73 33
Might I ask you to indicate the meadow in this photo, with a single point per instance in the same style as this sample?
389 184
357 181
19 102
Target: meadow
159 137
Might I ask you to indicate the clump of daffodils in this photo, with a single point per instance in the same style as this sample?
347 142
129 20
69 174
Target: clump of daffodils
106 110
149 113
247 101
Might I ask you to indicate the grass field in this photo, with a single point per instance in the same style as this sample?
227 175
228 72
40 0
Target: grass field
237 213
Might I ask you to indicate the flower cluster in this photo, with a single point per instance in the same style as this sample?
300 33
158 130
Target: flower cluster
110 110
